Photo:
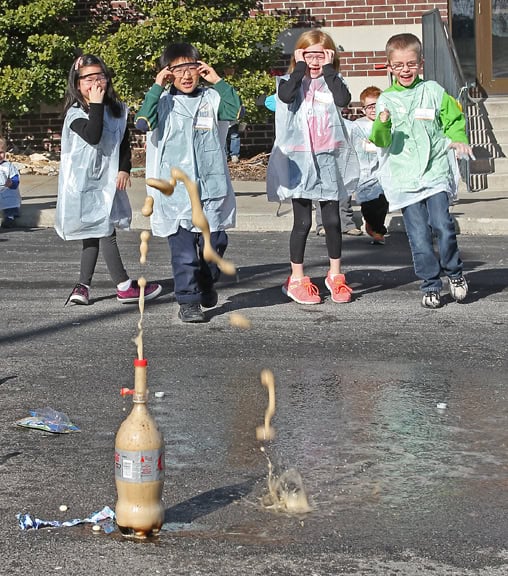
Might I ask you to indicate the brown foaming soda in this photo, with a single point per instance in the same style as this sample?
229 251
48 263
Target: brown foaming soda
139 466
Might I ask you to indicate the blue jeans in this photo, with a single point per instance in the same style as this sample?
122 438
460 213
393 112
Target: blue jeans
234 140
423 220
191 273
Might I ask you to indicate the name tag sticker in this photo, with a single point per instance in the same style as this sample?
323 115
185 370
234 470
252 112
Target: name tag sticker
204 123
324 97
425 114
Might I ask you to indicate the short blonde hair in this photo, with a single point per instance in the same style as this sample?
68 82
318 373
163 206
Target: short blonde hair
404 41
3 143
311 37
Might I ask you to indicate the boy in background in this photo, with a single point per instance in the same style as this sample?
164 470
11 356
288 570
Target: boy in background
369 193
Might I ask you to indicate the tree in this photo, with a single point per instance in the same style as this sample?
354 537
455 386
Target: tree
35 44
233 37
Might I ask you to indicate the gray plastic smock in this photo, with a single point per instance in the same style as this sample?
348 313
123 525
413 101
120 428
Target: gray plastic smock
87 206
312 156
189 136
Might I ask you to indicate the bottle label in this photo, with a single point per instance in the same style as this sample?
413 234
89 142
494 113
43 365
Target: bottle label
139 466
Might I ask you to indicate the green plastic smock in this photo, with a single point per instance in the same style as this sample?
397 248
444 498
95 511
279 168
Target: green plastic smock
417 161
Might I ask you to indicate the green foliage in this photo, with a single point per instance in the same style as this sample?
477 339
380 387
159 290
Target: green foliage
38 38
230 36
34 48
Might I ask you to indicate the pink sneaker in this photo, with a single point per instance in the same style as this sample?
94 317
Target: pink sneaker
339 290
302 291
152 290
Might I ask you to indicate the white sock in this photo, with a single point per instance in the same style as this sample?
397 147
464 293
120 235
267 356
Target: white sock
124 285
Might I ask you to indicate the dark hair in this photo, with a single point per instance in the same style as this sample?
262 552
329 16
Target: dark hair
176 51
73 95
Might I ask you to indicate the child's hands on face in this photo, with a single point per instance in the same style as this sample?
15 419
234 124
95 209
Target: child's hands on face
329 56
299 55
163 77
208 73
384 116
96 93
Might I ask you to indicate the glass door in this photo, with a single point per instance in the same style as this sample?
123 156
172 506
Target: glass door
492 45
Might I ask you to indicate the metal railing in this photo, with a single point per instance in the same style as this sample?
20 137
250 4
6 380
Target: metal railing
442 65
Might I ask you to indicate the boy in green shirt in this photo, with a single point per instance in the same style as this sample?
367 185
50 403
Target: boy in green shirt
419 125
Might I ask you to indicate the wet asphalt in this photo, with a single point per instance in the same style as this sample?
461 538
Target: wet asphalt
398 485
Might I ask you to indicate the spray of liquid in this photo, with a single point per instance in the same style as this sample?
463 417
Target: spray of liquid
139 338
143 249
286 492
199 219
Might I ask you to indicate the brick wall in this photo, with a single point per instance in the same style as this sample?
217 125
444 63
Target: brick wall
355 12
256 139
38 132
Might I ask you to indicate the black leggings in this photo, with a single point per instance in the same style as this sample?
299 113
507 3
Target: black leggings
111 254
302 222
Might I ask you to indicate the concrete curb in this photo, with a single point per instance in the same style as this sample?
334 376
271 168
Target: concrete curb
472 214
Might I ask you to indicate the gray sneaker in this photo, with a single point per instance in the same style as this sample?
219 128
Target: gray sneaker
431 300
458 288
191 313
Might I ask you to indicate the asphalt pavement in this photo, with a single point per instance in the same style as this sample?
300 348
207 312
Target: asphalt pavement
484 212
394 415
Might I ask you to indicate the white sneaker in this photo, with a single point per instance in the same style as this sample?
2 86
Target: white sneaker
431 300
235 159
458 288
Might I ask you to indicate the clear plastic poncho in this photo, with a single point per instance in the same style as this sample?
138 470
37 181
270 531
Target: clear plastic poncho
419 162
87 204
9 197
369 187
312 156
189 136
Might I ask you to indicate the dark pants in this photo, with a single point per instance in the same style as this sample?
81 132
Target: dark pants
374 213
192 274
111 255
11 213
302 222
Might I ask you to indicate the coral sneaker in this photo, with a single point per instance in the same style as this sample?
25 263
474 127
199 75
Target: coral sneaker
339 290
301 290
130 296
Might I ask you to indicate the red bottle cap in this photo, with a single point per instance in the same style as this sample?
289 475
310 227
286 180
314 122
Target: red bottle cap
140 362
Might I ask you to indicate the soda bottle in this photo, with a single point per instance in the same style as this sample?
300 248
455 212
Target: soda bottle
139 466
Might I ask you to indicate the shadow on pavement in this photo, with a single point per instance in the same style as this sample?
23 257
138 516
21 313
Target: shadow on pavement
208 502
